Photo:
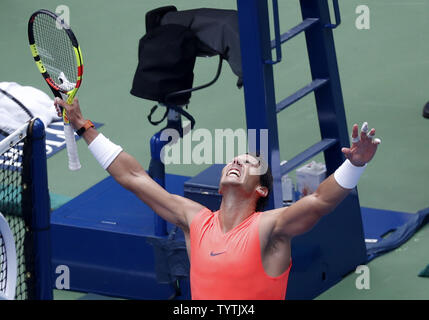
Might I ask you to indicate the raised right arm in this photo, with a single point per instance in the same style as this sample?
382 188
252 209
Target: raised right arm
175 209
126 170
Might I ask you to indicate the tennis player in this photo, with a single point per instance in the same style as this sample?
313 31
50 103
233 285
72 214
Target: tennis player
237 252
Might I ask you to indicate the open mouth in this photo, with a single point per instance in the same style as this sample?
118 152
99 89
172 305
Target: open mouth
233 172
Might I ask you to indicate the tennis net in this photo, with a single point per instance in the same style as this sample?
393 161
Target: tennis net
16 206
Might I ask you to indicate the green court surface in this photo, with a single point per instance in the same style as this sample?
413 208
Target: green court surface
385 80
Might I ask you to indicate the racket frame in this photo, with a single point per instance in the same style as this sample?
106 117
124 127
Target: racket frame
74 163
56 90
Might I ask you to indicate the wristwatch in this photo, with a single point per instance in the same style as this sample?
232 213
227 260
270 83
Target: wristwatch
88 124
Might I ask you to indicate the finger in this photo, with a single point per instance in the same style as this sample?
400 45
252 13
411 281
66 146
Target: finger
58 111
371 134
59 102
58 107
63 104
347 152
377 141
355 130
63 110
355 137
364 130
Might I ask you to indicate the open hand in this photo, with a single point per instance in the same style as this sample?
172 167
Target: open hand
363 147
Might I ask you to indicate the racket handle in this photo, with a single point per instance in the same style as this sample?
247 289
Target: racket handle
74 163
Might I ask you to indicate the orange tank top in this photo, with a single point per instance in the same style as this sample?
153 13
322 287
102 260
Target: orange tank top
228 266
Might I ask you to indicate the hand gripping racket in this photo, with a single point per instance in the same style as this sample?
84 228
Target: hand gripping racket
58 57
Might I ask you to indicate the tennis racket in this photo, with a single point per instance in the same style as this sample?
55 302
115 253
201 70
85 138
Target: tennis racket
8 266
58 57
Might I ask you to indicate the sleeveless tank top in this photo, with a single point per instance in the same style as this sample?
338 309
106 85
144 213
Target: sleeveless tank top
228 266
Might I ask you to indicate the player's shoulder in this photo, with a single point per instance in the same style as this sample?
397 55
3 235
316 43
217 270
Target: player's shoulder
203 211
198 213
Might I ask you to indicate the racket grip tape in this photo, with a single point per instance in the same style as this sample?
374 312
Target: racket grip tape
74 163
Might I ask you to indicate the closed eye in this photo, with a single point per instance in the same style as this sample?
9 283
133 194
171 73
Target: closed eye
253 164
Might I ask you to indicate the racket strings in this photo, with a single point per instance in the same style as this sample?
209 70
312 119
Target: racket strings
55 49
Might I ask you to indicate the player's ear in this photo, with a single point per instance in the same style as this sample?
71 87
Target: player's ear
262 191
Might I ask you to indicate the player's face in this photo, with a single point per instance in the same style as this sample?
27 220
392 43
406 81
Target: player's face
243 171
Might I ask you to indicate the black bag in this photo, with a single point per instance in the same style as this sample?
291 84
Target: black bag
167 55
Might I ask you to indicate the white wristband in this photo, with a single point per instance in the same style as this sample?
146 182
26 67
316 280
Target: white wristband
347 175
104 150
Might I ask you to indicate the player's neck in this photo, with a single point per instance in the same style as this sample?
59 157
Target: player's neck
234 209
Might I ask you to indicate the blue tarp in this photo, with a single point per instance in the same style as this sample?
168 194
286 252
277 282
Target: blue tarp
399 236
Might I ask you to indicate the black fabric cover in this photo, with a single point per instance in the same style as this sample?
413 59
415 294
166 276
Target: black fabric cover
216 29
167 56
171 259
154 17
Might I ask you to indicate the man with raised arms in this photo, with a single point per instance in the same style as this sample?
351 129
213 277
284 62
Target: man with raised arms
239 251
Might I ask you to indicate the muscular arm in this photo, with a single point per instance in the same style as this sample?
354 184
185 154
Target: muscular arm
126 170
130 174
305 213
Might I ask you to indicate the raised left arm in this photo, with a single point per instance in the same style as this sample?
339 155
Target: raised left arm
305 213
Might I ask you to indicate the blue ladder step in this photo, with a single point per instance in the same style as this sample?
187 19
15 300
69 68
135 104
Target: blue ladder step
304 25
307 154
301 93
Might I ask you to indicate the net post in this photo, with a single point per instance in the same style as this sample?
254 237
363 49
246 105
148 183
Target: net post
41 212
